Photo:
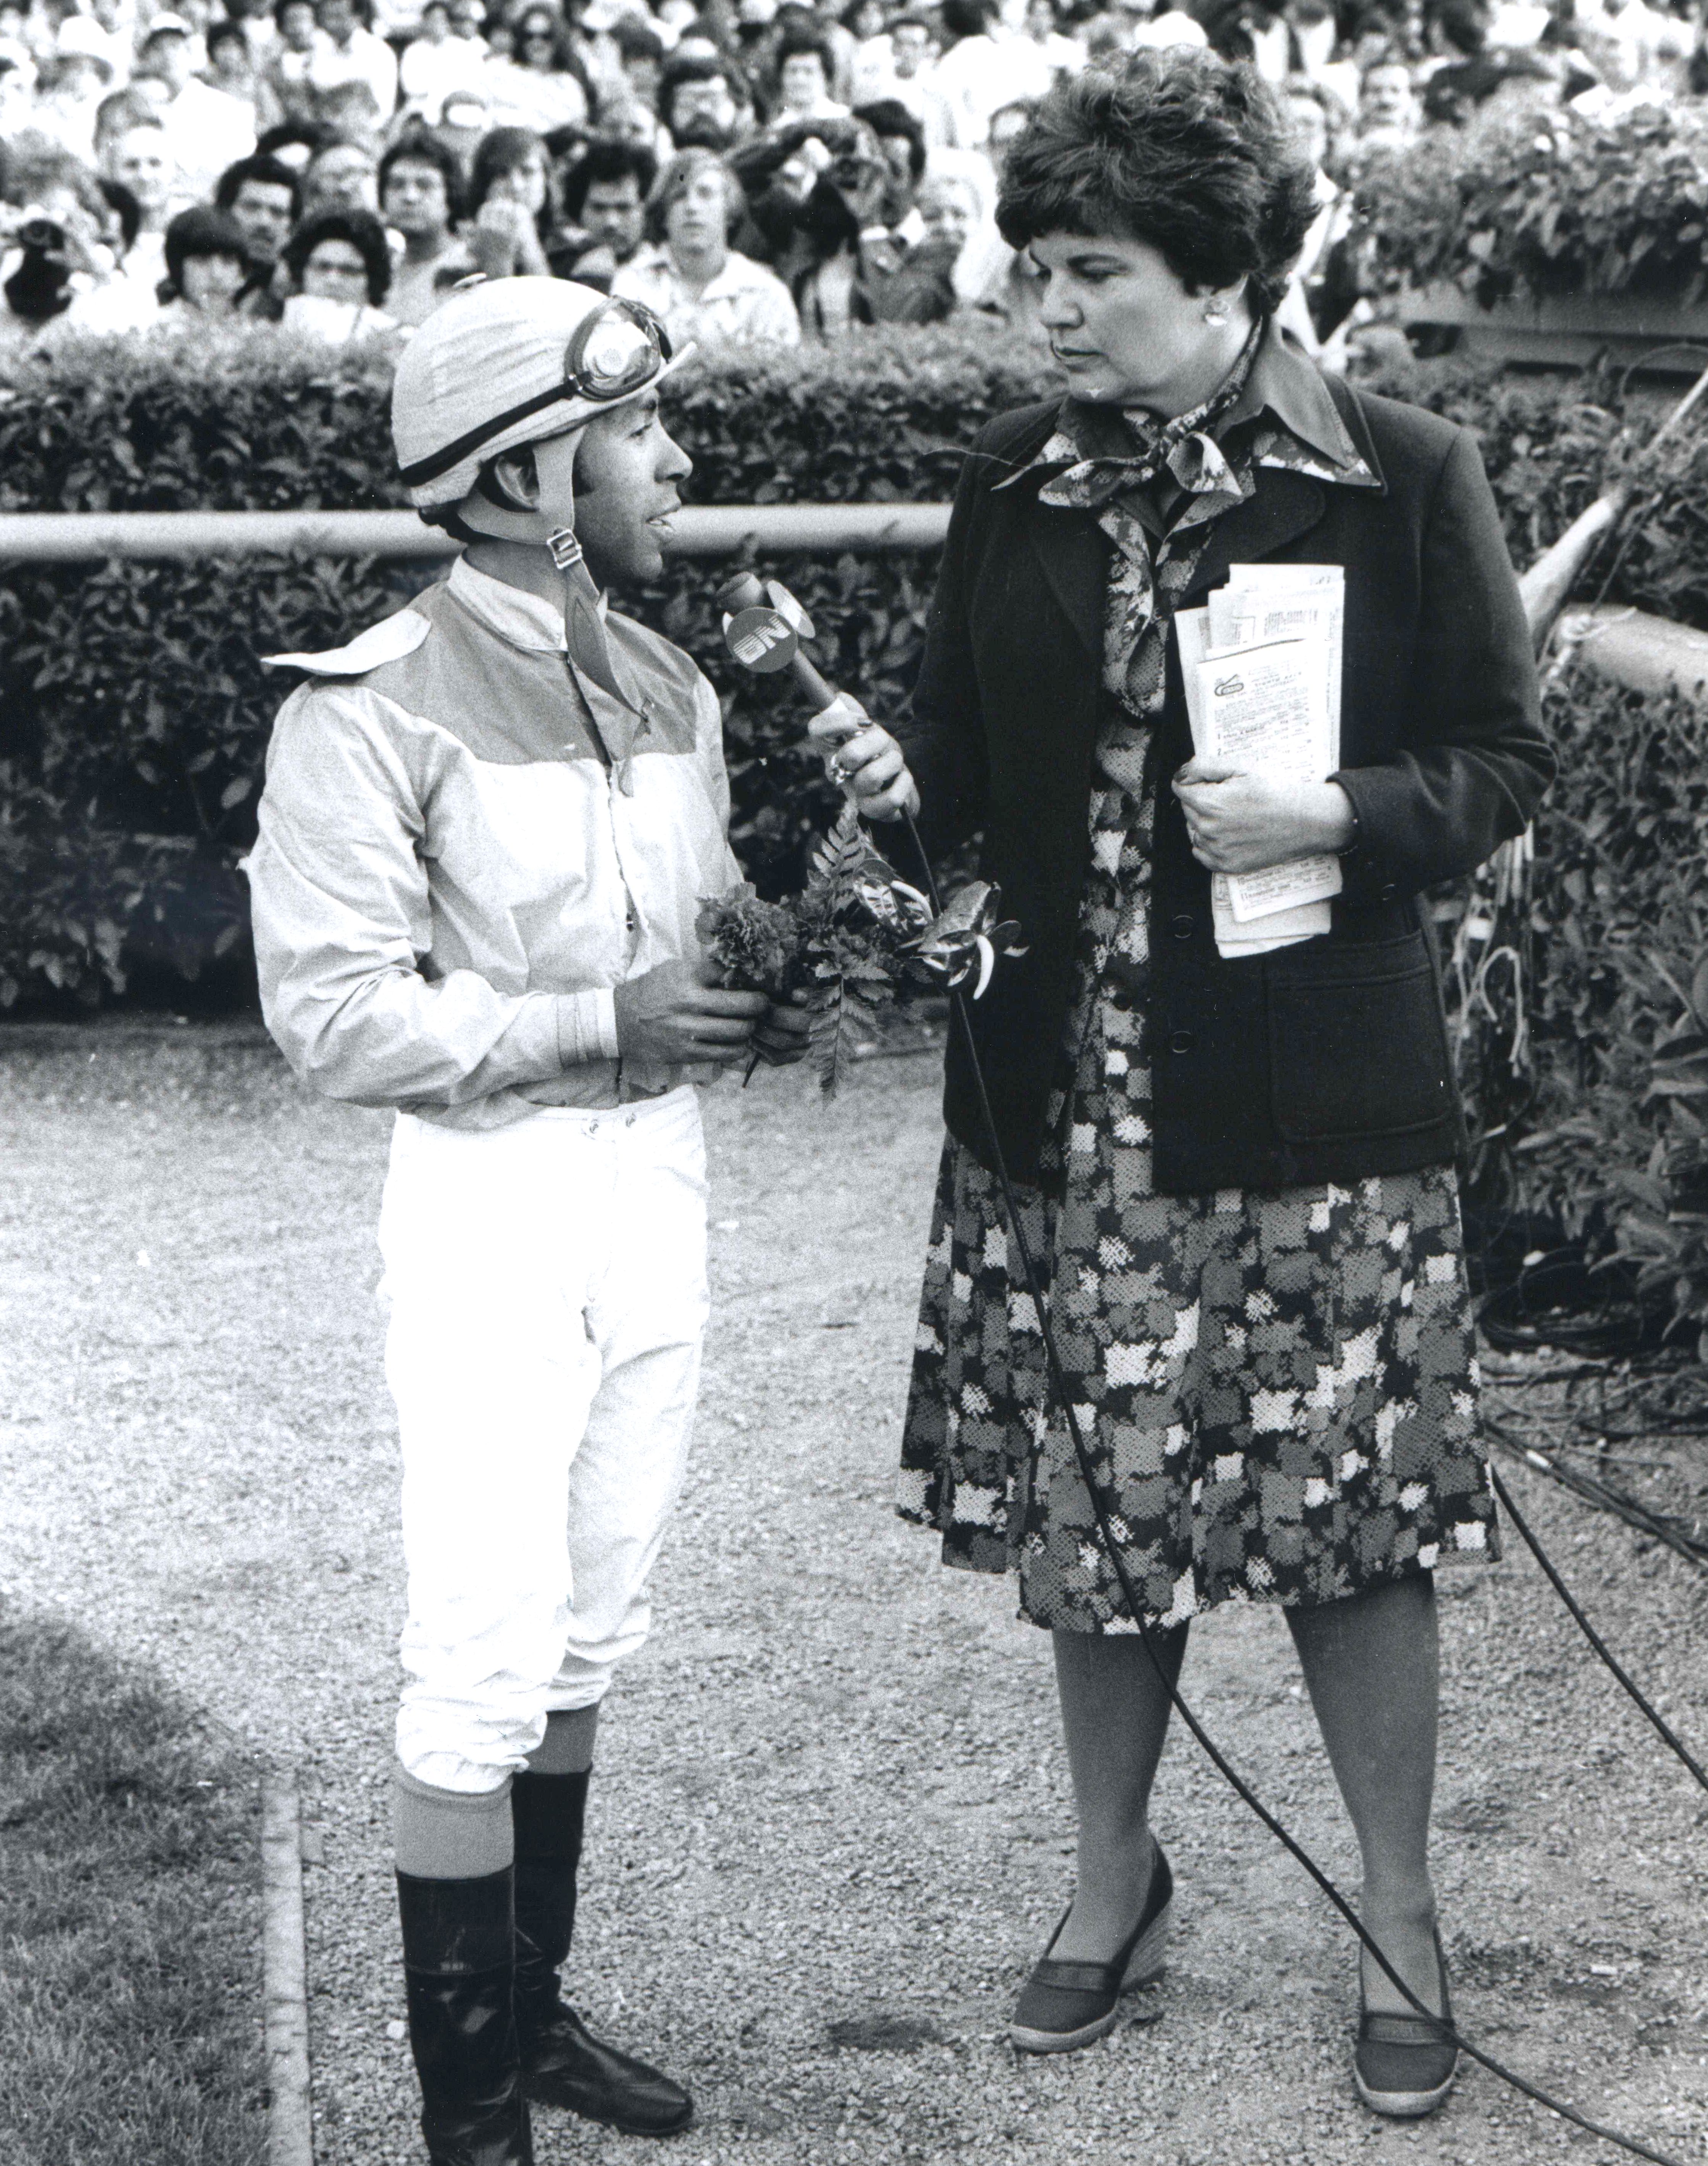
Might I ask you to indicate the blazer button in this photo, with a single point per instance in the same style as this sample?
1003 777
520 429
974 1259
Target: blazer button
1389 892
1182 925
1182 1041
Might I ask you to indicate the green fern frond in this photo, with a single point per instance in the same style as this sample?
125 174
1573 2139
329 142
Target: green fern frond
825 1036
843 850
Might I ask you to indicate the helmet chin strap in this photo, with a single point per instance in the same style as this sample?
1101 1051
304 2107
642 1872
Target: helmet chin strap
550 524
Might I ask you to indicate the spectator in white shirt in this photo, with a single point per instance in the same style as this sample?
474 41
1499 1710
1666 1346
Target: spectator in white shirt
913 80
421 197
208 126
71 83
434 61
1059 55
347 51
142 162
1169 28
545 86
1316 38
206 129
873 61
806 67
17 87
117 22
981 71
1630 41
701 287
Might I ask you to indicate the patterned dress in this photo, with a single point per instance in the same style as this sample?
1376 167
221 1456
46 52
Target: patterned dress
1278 1388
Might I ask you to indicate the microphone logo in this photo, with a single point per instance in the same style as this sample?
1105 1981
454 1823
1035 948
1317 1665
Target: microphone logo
761 638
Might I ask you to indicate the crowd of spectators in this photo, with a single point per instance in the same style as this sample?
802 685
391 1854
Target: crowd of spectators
755 171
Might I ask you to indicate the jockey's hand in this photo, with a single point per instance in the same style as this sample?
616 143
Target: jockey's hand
781 1039
676 1016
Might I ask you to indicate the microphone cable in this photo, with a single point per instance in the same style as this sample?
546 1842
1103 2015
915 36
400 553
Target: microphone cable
1669 1737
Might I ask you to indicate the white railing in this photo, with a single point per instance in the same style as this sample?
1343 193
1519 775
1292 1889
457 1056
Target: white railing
75 537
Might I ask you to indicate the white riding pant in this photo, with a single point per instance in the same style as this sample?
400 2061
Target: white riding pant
547 1283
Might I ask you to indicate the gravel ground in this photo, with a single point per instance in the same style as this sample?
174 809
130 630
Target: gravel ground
831 1828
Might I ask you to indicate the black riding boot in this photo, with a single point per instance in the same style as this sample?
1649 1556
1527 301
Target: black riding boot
563 2064
459 1971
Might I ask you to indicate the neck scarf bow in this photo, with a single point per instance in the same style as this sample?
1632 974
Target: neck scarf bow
1111 458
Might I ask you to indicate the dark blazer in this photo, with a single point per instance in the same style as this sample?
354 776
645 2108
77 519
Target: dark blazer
1324 1061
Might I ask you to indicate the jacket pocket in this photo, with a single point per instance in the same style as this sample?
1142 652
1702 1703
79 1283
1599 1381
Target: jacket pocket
1357 1042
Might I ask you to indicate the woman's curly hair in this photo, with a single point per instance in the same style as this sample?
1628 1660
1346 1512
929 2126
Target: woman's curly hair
1178 150
340 222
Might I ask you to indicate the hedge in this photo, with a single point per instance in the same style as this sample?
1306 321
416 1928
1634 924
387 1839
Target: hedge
133 715
1527 200
1604 1108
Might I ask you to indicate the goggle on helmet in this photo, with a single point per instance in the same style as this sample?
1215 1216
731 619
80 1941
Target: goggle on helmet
615 352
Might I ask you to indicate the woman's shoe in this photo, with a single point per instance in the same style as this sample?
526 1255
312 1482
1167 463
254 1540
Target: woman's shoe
1064 2005
1404 2065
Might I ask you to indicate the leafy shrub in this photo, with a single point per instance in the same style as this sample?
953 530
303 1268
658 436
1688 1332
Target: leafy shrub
1605 1108
1549 201
1550 448
250 422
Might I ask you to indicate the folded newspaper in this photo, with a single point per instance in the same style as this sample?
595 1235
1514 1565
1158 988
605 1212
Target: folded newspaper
1262 664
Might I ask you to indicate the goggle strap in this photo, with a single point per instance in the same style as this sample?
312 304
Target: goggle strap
442 461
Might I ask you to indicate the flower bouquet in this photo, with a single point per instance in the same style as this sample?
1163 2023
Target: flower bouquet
856 939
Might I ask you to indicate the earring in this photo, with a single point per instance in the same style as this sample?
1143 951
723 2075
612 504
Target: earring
1216 313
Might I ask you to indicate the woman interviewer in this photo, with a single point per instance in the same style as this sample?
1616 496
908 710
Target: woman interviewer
1238 1174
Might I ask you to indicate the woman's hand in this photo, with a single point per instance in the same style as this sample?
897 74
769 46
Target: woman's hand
1245 823
864 759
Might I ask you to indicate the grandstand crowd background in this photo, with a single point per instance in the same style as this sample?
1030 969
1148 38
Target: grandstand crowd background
756 171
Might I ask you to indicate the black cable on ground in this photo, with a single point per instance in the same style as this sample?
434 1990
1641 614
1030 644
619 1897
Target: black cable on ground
1602 1495
1673 1742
